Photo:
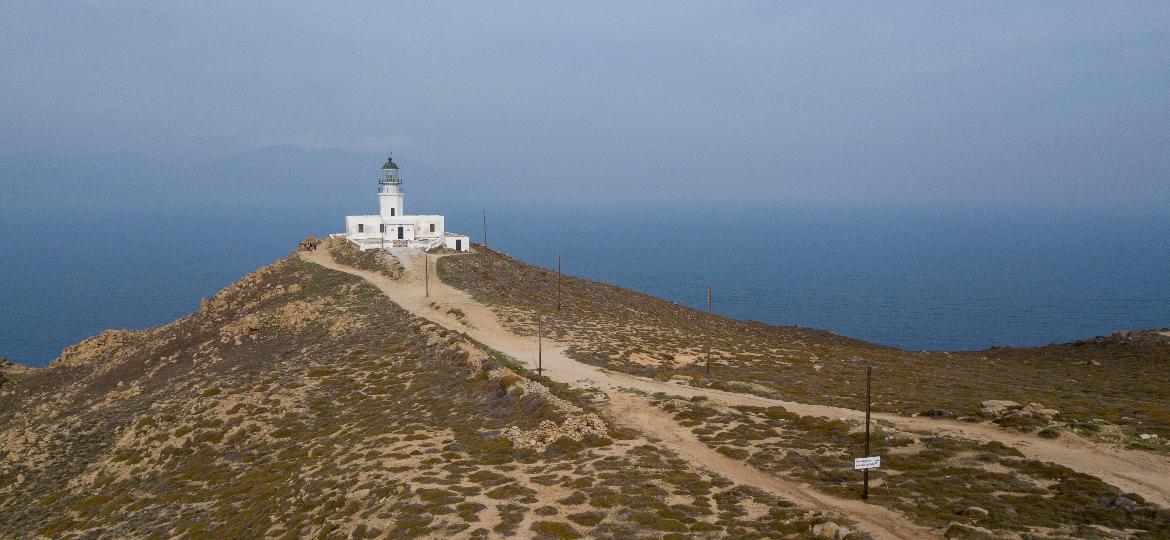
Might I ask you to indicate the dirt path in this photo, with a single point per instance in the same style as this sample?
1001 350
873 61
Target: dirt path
1133 471
632 410
635 412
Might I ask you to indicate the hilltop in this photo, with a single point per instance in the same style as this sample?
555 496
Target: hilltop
332 394
298 402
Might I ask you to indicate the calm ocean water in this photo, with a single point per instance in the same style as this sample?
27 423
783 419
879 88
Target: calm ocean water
915 279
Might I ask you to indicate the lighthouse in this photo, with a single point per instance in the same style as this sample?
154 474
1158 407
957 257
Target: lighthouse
393 228
390 192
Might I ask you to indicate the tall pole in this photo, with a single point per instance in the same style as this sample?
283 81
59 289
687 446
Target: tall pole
427 272
865 472
558 281
539 345
710 312
485 244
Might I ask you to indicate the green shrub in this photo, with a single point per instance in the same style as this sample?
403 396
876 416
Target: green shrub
554 529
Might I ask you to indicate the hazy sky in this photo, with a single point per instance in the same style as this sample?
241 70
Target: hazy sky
927 103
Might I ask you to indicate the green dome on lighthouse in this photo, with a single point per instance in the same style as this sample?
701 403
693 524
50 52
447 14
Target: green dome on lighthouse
390 164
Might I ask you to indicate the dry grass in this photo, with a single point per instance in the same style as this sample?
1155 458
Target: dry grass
933 480
359 421
374 260
1120 379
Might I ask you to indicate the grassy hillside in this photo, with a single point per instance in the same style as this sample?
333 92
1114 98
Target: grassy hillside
299 402
1116 386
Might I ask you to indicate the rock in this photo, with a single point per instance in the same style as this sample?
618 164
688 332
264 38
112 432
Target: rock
104 347
576 427
1038 411
1147 436
1098 531
937 413
995 408
598 397
969 532
1122 502
829 529
975 512
1094 363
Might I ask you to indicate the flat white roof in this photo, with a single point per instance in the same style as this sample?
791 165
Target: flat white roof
404 216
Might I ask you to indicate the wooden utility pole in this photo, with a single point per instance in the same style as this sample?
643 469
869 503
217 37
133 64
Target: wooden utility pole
485 244
427 273
539 345
865 472
710 318
558 281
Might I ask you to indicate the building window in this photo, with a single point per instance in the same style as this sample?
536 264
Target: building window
432 227
392 211
361 227
382 228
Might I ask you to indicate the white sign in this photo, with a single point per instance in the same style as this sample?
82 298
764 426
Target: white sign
867 463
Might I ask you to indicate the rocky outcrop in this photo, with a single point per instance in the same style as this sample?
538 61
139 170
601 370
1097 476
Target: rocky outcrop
98 347
576 428
1023 417
996 408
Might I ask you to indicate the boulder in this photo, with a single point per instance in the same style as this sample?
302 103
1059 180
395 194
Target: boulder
968 532
1038 411
996 408
1124 502
937 413
975 512
829 529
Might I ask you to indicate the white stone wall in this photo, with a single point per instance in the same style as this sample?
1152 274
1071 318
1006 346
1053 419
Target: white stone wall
429 226
370 227
456 241
358 227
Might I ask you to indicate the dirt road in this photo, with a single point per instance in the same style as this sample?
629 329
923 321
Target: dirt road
1145 474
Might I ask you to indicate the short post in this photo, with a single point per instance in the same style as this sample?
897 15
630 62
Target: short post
865 472
710 317
539 345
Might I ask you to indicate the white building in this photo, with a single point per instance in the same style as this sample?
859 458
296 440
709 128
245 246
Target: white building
392 227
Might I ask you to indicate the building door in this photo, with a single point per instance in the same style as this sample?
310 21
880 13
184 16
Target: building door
400 234
459 245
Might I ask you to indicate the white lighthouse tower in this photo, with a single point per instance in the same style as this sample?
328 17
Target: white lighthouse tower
392 228
390 192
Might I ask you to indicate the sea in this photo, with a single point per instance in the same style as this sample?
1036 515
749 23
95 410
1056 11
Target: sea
915 278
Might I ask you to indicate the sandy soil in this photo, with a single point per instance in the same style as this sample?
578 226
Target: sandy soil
1145 474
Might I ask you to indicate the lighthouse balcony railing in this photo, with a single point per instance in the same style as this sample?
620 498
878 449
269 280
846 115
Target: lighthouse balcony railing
392 190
